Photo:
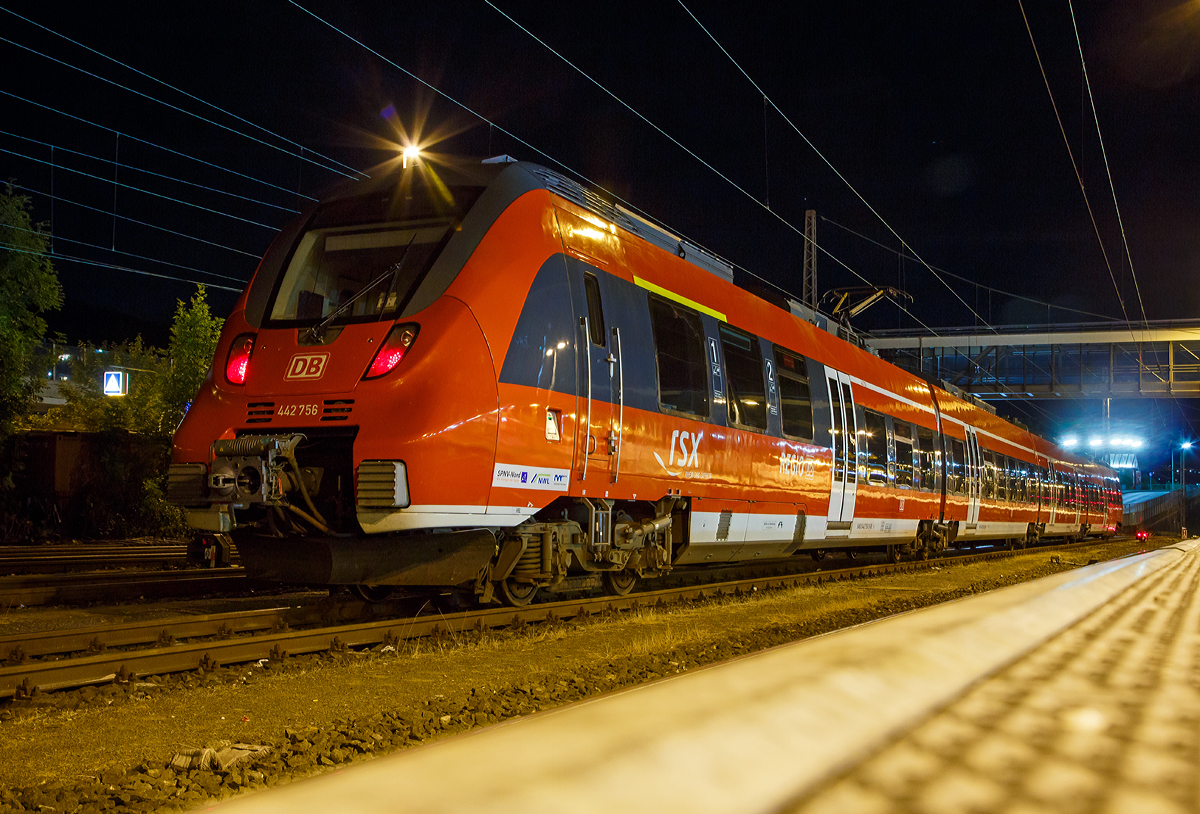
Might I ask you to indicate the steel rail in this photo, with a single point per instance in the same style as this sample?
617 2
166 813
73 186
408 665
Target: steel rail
48 564
113 586
17 647
27 560
21 679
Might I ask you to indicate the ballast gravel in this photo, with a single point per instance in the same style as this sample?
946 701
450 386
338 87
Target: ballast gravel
109 748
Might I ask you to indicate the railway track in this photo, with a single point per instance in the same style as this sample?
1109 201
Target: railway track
58 558
105 572
72 658
48 559
117 586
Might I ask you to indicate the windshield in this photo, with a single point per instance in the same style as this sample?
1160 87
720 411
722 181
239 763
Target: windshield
331 267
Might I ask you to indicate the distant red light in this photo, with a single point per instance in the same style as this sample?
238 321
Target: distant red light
394 348
238 363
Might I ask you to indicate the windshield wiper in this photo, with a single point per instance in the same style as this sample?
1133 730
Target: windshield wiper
318 329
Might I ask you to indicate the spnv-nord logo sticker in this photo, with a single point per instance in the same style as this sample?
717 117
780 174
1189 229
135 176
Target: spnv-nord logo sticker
307 366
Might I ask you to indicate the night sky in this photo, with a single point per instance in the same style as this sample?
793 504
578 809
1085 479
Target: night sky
935 112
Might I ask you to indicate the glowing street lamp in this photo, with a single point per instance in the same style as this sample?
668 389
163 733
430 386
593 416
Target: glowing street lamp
1184 447
412 152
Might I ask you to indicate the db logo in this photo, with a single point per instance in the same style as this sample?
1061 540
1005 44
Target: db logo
307 366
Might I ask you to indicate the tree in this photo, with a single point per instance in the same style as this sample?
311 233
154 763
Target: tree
194 336
161 384
28 288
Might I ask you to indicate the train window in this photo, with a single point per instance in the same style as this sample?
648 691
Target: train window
591 287
954 466
837 433
927 458
851 436
355 273
875 441
988 491
744 376
1002 465
902 431
679 350
795 400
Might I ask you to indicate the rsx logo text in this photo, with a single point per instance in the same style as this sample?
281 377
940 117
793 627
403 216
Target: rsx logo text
307 366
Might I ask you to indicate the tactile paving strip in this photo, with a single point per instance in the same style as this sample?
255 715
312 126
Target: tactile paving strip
1104 717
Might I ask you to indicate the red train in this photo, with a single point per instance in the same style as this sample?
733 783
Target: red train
493 378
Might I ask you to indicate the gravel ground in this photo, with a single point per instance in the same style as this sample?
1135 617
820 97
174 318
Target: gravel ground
109 748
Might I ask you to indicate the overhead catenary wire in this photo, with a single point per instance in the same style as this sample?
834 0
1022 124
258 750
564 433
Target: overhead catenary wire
129 254
1079 176
1104 154
85 261
125 166
829 164
1074 164
157 146
191 96
905 256
212 243
179 109
118 185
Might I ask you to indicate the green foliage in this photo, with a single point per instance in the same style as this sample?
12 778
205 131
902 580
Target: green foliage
161 383
129 445
89 410
28 288
194 336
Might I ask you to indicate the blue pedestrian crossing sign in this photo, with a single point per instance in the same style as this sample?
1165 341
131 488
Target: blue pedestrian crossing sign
114 383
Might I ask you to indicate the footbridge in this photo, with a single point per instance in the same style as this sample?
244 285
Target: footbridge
1157 359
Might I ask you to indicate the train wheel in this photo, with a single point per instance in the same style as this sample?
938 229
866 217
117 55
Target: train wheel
852 553
516 594
893 554
818 554
372 593
618 583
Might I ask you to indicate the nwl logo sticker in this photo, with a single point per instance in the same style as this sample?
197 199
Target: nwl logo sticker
517 476
307 366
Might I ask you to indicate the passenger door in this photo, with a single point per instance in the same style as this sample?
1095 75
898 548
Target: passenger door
844 439
600 441
974 478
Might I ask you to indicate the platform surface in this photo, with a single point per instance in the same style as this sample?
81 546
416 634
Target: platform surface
1077 692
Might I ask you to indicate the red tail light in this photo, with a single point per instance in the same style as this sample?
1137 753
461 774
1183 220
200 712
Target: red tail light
238 363
398 341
